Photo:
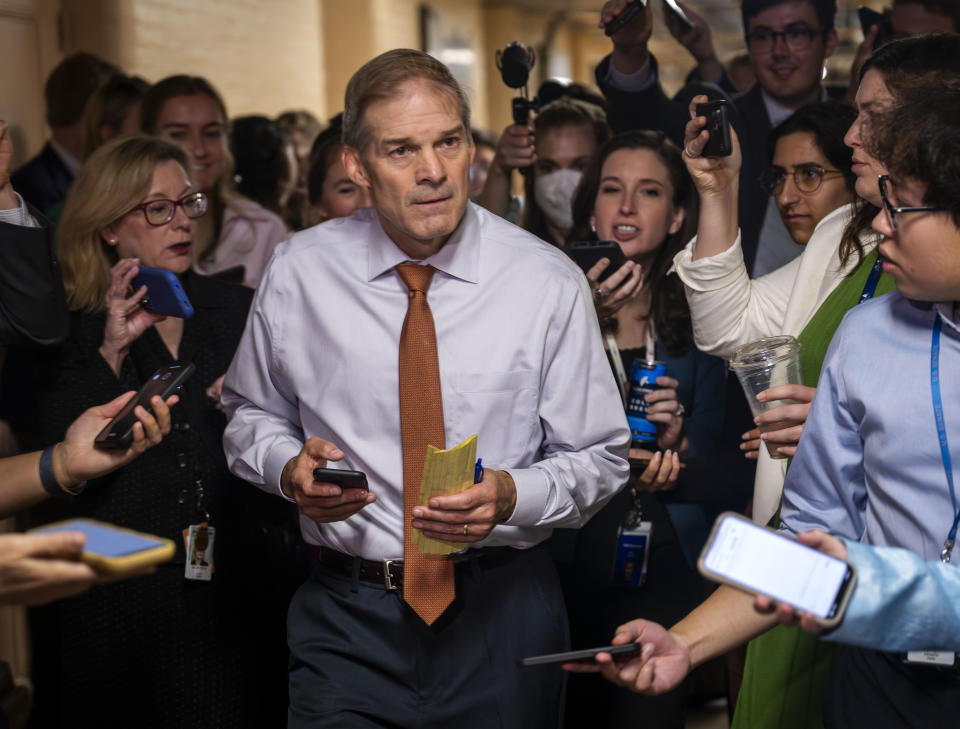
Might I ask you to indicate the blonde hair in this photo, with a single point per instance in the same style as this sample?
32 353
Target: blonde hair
114 180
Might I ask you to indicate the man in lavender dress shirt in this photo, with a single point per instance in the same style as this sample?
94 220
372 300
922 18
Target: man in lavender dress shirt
315 383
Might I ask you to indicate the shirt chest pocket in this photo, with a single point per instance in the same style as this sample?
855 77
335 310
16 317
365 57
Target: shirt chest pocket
502 408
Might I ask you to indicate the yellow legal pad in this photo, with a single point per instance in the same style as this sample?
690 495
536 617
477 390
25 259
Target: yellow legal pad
445 472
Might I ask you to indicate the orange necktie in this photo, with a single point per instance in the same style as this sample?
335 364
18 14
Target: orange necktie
427 579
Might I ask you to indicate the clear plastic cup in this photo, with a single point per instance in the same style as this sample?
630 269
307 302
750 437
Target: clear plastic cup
764 364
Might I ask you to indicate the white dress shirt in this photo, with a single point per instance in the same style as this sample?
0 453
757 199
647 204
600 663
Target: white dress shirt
521 364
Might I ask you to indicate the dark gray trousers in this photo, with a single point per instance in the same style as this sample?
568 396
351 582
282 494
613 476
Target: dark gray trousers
360 658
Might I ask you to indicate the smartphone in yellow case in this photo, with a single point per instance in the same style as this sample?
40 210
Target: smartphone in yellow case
114 549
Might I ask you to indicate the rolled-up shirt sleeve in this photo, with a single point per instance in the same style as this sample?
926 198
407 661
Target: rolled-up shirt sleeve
586 437
727 308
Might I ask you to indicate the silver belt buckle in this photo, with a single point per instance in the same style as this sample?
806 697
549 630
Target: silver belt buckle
387 577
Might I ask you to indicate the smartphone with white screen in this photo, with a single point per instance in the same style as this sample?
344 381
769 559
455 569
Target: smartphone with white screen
762 561
113 549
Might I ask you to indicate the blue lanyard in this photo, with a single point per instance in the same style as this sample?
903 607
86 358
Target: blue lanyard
942 434
870 287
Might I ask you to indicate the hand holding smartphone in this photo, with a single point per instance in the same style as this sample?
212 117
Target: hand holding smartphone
760 561
586 254
341 477
118 433
718 126
587 656
112 549
165 295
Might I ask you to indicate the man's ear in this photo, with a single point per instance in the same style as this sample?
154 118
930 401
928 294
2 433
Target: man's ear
350 159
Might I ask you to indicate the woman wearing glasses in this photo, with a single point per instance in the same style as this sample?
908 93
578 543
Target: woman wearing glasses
188 111
164 650
812 183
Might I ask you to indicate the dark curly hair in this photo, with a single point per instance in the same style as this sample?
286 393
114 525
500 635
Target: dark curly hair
671 316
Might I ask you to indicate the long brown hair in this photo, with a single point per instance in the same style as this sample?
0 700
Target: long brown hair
669 310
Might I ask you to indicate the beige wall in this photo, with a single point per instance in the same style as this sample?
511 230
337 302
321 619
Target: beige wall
357 30
28 52
263 57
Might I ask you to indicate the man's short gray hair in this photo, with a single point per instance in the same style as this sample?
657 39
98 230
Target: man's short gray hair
380 78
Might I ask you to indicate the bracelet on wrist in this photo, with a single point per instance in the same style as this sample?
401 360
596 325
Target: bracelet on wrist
48 477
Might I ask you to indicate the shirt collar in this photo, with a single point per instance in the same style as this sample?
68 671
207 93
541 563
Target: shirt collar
69 161
779 112
459 257
945 310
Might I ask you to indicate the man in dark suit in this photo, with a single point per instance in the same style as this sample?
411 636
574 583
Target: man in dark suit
787 42
43 181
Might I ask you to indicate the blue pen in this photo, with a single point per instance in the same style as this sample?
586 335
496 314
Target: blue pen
478 471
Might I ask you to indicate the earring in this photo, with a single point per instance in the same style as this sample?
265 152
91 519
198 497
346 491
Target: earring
593 227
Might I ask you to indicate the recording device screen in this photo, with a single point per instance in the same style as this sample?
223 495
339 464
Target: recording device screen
771 564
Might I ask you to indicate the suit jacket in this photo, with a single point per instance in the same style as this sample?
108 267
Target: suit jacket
44 180
33 309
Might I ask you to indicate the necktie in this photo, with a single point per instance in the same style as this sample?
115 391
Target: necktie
427 579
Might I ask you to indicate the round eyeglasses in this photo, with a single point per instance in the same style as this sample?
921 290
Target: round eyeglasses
797 37
161 212
893 210
808 178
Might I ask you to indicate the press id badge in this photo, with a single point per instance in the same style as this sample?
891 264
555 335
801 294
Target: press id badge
198 540
932 658
630 567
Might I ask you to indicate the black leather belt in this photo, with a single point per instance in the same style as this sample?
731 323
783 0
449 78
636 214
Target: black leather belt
388 573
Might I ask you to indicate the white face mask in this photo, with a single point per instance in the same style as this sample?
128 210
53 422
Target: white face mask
554 194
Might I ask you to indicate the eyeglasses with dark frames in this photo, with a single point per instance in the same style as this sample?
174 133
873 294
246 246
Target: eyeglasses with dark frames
807 177
797 38
161 212
894 210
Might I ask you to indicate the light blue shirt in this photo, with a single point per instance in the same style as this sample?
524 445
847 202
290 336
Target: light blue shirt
900 602
868 467
521 364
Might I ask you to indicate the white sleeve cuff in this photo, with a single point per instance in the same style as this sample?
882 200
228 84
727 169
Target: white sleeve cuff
274 464
532 491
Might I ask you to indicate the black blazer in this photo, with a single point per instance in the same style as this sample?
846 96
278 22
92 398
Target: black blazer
33 309
44 180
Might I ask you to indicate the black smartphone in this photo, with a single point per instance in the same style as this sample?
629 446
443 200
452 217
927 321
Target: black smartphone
165 295
341 477
718 125
869 17
589 655
628 14
163 382
586 253
762 561
671 7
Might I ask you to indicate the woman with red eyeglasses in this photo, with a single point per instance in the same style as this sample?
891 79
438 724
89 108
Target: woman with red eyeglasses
199 642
